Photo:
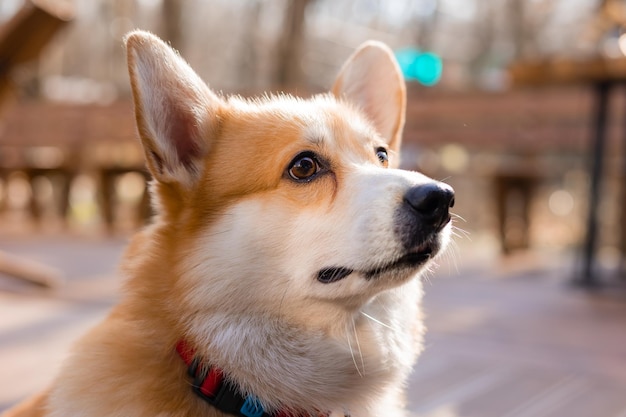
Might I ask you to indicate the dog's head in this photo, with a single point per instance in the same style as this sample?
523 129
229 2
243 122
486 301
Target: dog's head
283 204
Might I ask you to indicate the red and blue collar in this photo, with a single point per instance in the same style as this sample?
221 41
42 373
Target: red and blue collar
210 384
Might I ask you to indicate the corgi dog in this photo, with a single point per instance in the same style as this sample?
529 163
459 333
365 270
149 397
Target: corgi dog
281 274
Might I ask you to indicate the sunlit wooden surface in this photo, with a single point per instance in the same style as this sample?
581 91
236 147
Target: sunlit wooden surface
506 339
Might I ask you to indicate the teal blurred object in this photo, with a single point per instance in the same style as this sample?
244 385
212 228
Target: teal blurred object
423 67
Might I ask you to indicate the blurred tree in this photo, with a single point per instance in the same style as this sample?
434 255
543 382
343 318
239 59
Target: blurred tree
252 46
427 28
484 36
517 13
289 66
172 12
528 25
256 44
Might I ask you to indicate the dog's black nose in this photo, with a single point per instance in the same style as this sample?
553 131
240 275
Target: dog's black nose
431 202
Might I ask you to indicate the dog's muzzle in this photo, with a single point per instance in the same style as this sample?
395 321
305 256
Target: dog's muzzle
423 213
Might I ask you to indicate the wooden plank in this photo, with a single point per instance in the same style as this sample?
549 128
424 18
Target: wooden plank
29 270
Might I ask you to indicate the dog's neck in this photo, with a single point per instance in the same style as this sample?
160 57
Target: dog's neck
289 365
211 384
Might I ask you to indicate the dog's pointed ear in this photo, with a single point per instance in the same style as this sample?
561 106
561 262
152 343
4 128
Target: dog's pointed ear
372 80
176 111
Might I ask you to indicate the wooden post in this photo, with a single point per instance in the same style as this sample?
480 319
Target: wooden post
21 40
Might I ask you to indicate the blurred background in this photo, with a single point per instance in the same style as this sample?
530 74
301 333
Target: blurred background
518 104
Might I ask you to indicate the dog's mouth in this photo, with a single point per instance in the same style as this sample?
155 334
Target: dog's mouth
411 260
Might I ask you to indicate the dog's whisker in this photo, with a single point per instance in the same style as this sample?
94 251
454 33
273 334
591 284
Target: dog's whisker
356 366
459 232
427 275
375 320
460 235
454 250
456 233
451 255
458 216
460 229
282 299
358 345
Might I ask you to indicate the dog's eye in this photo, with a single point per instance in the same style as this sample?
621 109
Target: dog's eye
383 157
304 167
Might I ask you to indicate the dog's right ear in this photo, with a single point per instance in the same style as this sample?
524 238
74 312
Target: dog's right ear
176 111
372 80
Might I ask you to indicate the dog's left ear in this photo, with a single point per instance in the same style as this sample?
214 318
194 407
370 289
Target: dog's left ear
177 114
372 80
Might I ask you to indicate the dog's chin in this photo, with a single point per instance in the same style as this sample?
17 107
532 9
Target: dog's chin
405 265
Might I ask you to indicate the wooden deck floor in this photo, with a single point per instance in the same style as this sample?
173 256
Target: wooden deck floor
522 344
513 343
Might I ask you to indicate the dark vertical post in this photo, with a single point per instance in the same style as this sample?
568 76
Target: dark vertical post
598 145
622 217
289 67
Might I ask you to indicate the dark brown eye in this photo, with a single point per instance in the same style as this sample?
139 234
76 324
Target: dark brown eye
383 157
303 167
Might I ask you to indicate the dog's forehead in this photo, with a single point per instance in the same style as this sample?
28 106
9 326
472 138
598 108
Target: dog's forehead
337 128
321 120
259 138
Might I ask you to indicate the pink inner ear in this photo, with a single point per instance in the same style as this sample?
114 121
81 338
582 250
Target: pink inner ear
183 134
